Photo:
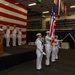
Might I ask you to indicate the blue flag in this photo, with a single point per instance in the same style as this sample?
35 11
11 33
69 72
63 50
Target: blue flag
73 34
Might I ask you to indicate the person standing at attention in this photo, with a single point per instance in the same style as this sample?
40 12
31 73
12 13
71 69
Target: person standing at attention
39 51
47 48
7 36
19 37
14 32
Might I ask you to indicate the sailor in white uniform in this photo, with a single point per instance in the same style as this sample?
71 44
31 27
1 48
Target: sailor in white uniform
55 49
39 51
7 37
47 48
14 32
19 37
57 41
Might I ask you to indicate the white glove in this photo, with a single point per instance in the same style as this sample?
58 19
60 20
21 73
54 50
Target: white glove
44 53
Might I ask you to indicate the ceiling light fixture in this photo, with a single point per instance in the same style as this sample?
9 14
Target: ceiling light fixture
45 12
72 6
32 4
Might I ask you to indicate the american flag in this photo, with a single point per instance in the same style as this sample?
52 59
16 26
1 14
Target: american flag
52 23
12 13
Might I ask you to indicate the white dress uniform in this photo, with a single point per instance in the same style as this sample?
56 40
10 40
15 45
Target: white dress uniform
39 52
14 37
57 47
53 53
19 37
47 49
7 37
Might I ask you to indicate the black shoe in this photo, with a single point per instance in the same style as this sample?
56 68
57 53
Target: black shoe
47 65
38 71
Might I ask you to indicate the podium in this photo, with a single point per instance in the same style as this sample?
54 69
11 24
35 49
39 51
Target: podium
1 41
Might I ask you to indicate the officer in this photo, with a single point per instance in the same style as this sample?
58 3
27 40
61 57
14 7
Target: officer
19 37
7 37
55 48
14 32
39 51
57 41
47 48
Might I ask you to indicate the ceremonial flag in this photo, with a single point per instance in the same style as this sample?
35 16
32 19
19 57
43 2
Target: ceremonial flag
55 2
52 23
65 9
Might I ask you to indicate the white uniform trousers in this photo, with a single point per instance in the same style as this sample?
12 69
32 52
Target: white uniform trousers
19 40
48 53
53 54
39 59
56 51
7 40
14 40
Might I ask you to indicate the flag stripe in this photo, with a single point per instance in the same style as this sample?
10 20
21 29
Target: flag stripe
12 24
23 39
12 13
13 2
11 9
13 17
13 6
23 33
12 20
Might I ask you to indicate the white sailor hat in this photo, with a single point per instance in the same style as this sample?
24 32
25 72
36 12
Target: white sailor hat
38 34
47 32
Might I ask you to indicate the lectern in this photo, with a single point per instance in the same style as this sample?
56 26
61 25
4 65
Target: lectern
1 41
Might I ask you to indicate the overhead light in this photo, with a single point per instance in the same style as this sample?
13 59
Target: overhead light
45 12
32 4
72 6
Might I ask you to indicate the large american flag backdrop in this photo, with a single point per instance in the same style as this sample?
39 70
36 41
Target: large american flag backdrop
13 14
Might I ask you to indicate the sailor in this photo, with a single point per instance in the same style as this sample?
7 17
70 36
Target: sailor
57 41
39 51
7 37
55 49
47 48
14 32
19 37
